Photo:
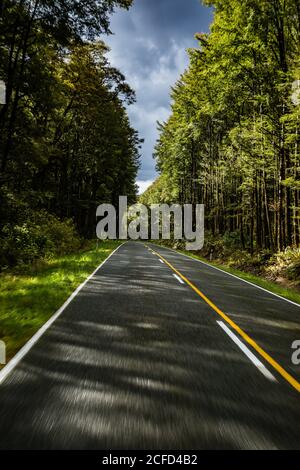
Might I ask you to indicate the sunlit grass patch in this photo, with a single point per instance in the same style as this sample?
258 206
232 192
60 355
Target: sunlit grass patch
28 299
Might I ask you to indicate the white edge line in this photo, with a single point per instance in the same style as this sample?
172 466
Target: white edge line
178 279
27 346
247 352
230 274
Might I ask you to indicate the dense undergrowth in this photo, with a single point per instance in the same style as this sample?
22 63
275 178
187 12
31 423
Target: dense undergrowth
280 267
38 236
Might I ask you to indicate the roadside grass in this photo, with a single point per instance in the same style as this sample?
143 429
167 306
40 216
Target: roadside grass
29 298
287 293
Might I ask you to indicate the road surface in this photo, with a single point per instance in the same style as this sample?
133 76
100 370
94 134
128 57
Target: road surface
139 360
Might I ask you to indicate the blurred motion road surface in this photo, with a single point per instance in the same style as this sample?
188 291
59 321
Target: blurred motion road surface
138 360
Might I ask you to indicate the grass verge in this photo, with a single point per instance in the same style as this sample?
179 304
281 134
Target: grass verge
287 293
30 298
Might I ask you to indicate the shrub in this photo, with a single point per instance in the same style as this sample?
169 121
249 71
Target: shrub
61 236
42 236
285 264
232 240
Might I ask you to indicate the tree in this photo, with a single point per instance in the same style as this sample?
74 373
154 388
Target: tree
232 141
66 141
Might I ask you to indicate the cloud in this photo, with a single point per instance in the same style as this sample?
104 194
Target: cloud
149 46
144 185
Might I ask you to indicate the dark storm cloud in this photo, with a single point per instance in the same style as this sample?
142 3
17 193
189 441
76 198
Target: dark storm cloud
149 47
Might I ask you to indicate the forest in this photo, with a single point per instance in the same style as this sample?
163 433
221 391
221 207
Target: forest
232 141
66 143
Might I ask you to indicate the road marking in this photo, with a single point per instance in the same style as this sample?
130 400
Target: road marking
150 249
232 275
161 261
289 378
247 352
178 278
26 348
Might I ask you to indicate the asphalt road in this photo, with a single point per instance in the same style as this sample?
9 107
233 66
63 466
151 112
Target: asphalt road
138 360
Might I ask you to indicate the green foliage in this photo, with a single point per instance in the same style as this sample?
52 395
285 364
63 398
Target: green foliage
157 192
285 264
66 143
232 240
41 236
232 140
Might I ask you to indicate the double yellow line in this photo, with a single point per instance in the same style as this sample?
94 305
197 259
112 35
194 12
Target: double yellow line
244 335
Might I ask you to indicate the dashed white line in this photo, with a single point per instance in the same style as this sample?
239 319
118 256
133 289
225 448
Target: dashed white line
232 275
161 261
247 352
178 279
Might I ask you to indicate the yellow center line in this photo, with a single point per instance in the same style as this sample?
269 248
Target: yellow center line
292 381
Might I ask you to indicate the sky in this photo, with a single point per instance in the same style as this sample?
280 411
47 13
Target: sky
148 46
